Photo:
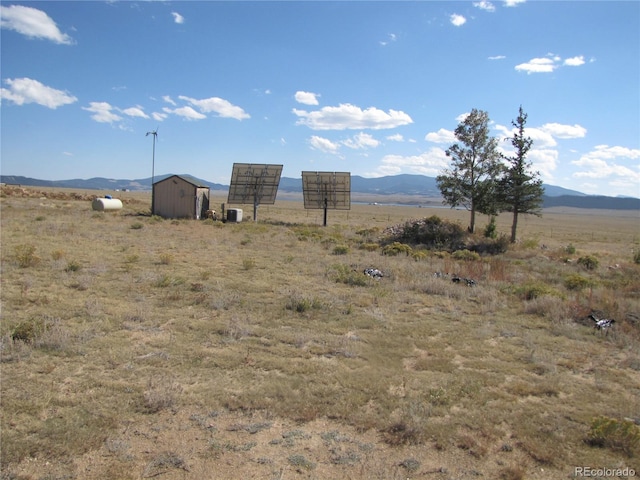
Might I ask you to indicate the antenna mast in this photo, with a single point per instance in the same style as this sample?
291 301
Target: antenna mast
153 168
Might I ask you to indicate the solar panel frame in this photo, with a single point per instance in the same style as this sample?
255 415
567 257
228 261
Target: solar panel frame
254 183
326 190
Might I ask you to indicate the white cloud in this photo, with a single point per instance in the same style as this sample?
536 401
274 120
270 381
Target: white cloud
217 105
32 23
347 116
549 63
159 116
323 144
484 5
606 162
574 62
538 65
392 37
544 136
396 138
307 98
497 57
541 138
177 17
564 131
430 163
361 141
544 161
441 136
168 99
136 111
186 112
462 117
27 90
513 3
457 20
102 112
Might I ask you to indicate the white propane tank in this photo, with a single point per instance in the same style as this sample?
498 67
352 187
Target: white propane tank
106 204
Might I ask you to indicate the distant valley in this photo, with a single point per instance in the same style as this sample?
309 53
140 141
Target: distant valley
395 185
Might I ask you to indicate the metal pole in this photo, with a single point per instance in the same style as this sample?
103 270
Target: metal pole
153 176
324 221
153 169
255 208
153 160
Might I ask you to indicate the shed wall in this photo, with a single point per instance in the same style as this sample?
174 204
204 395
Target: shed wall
175 198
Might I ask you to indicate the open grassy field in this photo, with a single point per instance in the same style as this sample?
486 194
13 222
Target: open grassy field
135 347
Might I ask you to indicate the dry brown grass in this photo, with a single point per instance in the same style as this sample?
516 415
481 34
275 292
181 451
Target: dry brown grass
136 347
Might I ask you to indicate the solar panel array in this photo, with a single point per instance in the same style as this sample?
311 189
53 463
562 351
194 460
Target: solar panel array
327 190
254 183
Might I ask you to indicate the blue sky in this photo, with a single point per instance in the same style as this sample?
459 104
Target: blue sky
373 88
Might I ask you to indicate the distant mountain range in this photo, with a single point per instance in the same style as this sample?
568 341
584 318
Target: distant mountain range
407 185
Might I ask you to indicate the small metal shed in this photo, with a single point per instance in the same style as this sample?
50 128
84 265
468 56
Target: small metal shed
180 196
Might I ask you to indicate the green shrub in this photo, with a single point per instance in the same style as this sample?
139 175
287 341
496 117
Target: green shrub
72 266
589 262
28 330
301 304
466 255
432 232
368 233
396 248
166 258
636 256
615 434
137 226
410 464
570 249
164 281
530 243
307 233
369 247
133 258
341 249
26 255
532 290
348 276
491 246
491 230
248 263
300 461
419 255
577 282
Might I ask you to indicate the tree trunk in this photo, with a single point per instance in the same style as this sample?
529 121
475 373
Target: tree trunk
514 226
472 221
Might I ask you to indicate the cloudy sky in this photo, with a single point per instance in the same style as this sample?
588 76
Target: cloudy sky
374 88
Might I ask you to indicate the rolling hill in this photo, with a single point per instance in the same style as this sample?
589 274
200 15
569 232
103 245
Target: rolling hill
407 185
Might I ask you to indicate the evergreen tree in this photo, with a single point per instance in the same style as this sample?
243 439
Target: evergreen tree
471 180
520 189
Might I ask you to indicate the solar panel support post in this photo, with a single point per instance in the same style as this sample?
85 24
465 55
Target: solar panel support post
255 206
326 207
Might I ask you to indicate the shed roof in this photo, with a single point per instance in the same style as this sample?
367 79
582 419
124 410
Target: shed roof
187 178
